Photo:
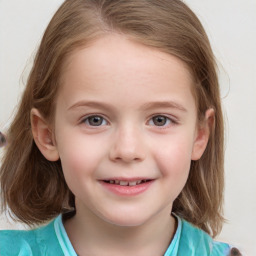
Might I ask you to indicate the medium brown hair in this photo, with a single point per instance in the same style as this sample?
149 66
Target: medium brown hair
33 187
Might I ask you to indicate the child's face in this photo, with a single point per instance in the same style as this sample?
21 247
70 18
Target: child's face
125 114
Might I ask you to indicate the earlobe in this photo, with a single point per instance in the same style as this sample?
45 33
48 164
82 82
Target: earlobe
43 136
203 134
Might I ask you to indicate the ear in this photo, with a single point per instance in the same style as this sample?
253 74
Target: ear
43 136
203 134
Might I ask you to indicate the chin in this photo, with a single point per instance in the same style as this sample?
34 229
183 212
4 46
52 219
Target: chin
125 220
127 223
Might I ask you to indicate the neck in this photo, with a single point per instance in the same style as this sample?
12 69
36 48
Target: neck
86 232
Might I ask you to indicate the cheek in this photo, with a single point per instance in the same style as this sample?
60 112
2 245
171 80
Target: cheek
80 154
71 152
72 161
174 158
77 167
174 165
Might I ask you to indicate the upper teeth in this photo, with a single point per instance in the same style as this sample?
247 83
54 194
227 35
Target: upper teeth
125 183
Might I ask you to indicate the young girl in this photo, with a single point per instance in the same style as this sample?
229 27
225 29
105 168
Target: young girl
118 139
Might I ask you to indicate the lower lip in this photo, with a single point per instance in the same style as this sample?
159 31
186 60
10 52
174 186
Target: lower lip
127 190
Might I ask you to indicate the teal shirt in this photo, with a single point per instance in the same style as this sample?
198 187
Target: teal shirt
52 240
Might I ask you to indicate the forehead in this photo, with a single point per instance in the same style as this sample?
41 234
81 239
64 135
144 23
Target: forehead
116 64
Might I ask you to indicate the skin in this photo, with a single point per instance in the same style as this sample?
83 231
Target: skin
125 86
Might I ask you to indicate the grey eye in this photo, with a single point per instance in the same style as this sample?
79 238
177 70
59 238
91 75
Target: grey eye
159 120
95 121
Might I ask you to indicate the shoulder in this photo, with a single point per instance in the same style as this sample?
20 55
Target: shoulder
40 241
194 241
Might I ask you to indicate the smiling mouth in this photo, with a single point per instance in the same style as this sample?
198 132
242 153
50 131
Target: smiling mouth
126 183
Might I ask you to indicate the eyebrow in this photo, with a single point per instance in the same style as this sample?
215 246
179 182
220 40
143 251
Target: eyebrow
164 104
95 104
146 106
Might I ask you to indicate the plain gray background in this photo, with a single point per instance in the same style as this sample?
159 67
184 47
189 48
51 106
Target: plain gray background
231 26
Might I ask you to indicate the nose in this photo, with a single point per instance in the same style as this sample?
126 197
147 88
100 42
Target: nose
128 146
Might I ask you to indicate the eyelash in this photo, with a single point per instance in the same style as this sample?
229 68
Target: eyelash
168 121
